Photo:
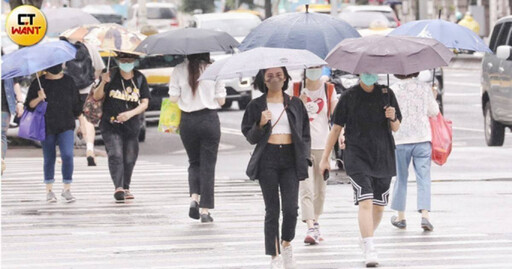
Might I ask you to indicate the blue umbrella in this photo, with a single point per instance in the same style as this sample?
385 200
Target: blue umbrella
30 60
316 32
452 35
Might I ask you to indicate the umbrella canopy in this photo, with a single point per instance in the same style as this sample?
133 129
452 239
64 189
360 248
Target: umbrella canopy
107 36
30 60
248 63
187 41
316 32
388 55
452 35
62 19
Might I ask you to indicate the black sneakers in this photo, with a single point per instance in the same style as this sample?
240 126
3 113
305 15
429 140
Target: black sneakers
399 224
193 211
205 218
119 196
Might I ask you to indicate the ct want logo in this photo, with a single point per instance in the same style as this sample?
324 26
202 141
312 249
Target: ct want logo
26 25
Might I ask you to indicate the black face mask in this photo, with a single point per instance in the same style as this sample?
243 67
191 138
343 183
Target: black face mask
56 69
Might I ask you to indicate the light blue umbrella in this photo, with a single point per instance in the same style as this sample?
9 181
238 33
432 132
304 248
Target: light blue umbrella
452 35
30 60
318 33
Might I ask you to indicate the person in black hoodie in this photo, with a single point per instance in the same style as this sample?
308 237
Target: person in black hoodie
279 126
62 96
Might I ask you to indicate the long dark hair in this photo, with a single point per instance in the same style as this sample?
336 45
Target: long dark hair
259 80
196 65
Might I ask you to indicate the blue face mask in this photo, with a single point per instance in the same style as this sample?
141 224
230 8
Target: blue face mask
369 79
126 67
314 73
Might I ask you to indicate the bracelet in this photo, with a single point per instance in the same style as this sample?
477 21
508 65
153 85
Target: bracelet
395 119
20 102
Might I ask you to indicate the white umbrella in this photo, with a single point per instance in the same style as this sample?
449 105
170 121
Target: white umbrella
248 63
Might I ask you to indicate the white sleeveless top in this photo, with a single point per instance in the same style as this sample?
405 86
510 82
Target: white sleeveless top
283 126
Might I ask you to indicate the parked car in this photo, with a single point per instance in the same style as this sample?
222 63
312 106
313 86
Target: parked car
387 11
157 70
317 8
497 83
104 13
237 25
163 16
367 23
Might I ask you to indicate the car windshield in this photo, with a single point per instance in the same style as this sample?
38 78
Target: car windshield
158 13
363 20
234 27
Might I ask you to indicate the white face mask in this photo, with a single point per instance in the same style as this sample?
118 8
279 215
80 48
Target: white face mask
314 73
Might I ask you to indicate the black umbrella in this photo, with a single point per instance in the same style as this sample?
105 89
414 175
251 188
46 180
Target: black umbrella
187 41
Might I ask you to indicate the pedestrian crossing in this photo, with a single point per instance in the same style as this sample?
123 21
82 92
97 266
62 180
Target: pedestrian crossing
154 231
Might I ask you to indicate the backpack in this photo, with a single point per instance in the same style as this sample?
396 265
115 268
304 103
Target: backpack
80 68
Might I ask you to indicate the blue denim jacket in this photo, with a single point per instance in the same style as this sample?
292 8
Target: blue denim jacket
9 93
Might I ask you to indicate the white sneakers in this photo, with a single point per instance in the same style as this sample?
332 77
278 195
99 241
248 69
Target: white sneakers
288 260
371 258
285 261
276 263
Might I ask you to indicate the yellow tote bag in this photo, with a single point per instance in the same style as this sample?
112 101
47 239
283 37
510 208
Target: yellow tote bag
170 116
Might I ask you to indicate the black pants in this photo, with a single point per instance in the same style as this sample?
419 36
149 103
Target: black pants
277 173
200 134
122 151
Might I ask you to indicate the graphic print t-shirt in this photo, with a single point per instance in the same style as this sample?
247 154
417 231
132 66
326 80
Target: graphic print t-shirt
119 99
317 112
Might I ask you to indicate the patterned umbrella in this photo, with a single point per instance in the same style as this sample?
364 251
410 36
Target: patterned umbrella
107 37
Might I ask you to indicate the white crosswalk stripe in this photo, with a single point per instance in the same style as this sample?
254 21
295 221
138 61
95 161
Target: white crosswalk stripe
154 231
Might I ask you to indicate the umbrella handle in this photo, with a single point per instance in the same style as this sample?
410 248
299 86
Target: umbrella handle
108 61
433 77
39 82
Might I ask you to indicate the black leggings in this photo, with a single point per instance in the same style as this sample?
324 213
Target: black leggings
200 134
277 172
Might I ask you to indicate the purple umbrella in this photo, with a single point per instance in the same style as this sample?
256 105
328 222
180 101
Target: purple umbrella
388 55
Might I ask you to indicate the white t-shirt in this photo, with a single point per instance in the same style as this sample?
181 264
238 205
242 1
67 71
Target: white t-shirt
281 125
417 103
206 93
317 111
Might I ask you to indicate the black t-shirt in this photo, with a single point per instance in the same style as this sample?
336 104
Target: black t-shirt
370 147
63 103
123 95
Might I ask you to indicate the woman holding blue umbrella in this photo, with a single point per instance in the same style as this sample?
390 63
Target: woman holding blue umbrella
60 94
62 97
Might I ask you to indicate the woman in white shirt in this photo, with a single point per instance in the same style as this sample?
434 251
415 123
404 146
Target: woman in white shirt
199 129
413 141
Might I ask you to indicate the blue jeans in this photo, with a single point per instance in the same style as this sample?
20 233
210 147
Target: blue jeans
420 153
6 117
66 142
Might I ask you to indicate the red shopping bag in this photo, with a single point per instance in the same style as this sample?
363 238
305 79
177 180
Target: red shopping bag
441 138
